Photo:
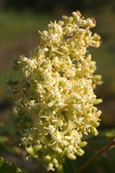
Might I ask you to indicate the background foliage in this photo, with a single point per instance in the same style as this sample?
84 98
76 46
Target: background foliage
19 22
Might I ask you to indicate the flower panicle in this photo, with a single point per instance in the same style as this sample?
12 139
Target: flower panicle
55 99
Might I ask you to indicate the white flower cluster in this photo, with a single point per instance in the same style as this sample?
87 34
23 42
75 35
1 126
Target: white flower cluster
55 99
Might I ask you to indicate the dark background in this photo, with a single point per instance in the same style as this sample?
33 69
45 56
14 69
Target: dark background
20 21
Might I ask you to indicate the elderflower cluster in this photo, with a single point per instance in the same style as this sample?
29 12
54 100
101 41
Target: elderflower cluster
55 101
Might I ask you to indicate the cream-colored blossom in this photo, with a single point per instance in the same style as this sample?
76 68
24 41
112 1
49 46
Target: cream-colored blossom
55 103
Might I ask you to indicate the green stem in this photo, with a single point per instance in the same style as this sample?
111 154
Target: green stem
90 160
58 52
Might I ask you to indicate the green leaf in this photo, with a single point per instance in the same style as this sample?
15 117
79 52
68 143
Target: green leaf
6 167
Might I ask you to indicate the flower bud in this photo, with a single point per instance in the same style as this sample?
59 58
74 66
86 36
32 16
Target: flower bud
55 162
48 158
29 150
97 101
94 131
83 144
58 150
37 148
76 16
71 156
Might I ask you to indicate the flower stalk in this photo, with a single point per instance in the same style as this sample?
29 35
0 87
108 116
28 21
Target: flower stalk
95 156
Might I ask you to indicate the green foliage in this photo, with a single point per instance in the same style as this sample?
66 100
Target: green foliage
50 5
5 167
16 26
3 139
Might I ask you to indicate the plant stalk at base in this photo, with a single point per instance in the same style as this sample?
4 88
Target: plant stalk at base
101 151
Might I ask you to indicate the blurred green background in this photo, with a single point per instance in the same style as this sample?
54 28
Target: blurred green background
20 21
